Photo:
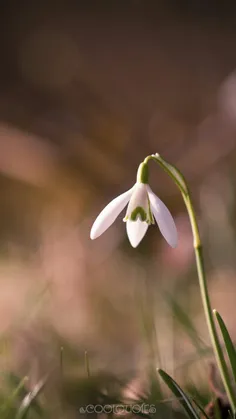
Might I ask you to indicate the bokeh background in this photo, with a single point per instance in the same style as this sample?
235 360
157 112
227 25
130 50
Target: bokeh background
87 90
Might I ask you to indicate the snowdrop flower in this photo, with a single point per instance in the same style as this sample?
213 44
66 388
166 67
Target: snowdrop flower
143 207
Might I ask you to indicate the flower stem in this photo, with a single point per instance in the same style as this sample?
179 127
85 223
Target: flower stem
182 185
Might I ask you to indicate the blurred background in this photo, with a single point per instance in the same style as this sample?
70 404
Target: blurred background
87 90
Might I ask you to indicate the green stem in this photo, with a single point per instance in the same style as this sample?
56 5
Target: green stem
182 185
86 359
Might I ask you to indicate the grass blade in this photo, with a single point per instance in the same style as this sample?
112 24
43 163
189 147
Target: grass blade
185 322
228 342
180 394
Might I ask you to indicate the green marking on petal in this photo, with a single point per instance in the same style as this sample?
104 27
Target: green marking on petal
138 211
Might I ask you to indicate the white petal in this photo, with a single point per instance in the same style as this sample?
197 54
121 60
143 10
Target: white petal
139 199
163 218
109 214
136 231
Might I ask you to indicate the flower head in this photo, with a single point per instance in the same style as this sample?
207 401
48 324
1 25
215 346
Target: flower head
143 208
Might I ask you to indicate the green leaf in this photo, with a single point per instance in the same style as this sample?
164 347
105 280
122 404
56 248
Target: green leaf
231 415
200 408
29 399
11 400
173 172
228 342
180 394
